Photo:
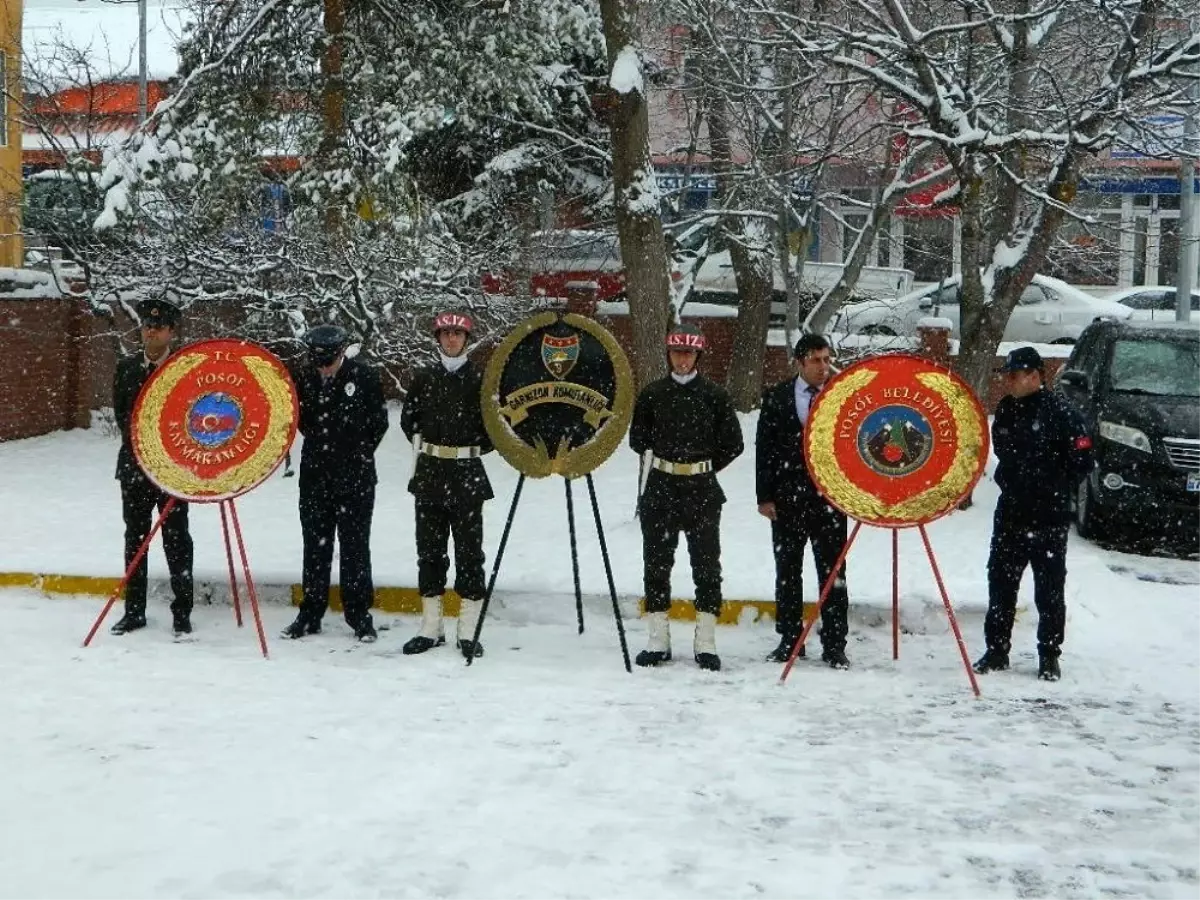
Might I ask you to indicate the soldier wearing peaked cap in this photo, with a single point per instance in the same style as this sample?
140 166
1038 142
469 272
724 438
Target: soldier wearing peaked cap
1043 450
139 496
443 417
343 418
688 424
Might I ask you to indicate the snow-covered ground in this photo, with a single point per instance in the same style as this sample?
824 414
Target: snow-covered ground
144 767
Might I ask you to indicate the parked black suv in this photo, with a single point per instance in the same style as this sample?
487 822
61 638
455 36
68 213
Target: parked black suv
1138 387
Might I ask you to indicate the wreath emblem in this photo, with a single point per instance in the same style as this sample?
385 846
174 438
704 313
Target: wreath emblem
896 441
214 420
567 425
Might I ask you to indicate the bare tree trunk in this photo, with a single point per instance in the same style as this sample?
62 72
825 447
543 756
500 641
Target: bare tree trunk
752 272
333 102
639 227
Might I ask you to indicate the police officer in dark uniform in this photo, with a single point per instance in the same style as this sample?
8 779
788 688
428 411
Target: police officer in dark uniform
798 513
443 418
688 424
139 497
343 418
1043 450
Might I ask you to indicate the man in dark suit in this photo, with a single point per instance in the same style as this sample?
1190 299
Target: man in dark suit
139 496
798 513
343 418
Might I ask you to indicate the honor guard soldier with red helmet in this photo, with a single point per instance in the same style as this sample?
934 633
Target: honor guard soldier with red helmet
443 418
139 496
688 424
343 418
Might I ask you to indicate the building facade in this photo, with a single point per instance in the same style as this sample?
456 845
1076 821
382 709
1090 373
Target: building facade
12 245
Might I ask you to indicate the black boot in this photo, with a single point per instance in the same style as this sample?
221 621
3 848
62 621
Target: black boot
182 624
422 644
300 628
992 661
470 649
431 634
1048 669
365 631
783 652
129 622
835 659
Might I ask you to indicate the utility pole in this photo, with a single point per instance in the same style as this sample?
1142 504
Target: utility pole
1189 210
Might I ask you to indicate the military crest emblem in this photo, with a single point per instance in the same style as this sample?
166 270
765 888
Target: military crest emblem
896 441
571 421
560 353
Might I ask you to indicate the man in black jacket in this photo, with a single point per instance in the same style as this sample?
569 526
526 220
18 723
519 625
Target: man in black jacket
443 417
689 425
1043 449
343 418
798 513
139 497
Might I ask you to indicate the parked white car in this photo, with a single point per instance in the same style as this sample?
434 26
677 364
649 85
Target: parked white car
1153 302
716 278
1049 312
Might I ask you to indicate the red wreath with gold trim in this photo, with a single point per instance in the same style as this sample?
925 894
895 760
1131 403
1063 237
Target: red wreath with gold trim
896 441
214 420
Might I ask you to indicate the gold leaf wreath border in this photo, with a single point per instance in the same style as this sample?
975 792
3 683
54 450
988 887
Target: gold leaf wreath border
536 461
929 504
181 481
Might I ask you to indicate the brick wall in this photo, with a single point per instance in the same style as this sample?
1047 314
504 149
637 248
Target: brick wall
58 359
41 344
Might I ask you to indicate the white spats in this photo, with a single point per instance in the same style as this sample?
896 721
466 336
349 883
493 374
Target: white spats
431 618
706 633
468 618
659 633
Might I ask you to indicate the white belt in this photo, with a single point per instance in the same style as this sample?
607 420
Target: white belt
441 452
702 467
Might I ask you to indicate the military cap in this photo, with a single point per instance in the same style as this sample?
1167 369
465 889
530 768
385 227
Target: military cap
325 343
454 319
158 311
686 337
1023 358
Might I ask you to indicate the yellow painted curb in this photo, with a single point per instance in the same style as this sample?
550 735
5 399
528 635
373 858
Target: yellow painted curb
408 600
60 584
731 611
401 599
387 599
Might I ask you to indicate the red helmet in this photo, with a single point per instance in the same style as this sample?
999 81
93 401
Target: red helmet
453 320
686 337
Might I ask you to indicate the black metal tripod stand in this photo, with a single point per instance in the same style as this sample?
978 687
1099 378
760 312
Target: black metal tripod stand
612 588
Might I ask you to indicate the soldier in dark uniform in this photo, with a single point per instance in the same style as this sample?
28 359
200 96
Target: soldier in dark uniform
343 418
443 417
139 497
1043 449
798 513
688 424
